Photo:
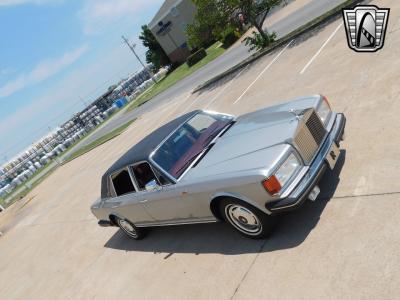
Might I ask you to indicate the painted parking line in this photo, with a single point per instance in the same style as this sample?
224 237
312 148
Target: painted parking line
169 108
191 104
225 87
320 49
263 71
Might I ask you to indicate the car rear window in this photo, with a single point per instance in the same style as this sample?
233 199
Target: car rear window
122 183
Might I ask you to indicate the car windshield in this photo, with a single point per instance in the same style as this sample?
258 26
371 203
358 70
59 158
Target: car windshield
188 141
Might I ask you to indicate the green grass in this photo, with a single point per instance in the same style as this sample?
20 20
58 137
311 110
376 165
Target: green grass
105 138
179 73
2 203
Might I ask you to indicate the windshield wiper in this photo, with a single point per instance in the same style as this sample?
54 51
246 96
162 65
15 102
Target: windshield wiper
206 148
211 137
189 161
222 131
217 132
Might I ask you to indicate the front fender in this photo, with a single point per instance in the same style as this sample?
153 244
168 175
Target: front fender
217 196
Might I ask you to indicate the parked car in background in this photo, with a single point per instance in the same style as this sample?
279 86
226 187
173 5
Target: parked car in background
207 167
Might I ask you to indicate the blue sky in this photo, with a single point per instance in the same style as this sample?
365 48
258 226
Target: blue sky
55 52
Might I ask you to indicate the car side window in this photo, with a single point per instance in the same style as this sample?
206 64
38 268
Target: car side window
161 178
143 175
122 183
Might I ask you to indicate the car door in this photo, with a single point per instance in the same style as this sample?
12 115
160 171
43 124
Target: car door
169 203
126 200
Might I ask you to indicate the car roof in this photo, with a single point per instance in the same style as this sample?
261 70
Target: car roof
142 150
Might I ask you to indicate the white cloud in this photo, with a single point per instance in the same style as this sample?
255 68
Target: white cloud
97 14
42 71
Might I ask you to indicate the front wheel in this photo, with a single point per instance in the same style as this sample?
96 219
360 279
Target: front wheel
247 219
129 229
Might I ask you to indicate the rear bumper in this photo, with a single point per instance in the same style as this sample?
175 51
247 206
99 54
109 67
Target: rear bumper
317 169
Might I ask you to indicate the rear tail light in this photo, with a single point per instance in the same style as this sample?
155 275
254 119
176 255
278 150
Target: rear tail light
272 185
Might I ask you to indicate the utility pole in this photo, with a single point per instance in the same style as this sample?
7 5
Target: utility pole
83 101
132 47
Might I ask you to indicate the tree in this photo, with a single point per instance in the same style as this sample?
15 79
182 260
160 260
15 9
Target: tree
199 35
155 54
211 19
255 12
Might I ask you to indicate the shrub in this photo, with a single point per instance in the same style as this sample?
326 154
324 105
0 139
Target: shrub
228 37
258 42
196 57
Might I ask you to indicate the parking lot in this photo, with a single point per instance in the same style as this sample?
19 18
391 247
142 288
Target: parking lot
346 245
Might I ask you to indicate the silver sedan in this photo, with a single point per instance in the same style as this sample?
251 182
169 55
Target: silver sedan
208 167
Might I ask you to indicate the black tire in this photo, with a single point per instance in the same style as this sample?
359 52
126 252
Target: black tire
129 229
247 219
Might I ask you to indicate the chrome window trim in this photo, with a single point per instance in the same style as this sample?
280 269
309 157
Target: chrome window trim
113 193
193 163
152 169
173 179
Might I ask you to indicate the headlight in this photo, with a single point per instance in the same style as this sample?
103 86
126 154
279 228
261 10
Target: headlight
284 173
324 110
287 169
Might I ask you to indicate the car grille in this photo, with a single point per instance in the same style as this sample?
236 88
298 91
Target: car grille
309 136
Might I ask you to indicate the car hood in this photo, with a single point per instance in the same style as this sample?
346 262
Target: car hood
256 141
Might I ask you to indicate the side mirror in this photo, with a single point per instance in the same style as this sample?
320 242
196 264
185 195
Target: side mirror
152 186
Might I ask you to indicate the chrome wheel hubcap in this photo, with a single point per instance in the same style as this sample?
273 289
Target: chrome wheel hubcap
243 219
127 227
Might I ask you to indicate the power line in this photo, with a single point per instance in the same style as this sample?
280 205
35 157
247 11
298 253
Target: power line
132 47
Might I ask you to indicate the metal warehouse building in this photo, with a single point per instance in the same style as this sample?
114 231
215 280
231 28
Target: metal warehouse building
169 27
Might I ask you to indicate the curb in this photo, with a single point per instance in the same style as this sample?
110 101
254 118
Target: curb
293 35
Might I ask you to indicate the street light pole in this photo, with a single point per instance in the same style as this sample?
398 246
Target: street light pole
138 58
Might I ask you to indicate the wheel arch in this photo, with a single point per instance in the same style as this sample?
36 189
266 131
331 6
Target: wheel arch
216 199
113 218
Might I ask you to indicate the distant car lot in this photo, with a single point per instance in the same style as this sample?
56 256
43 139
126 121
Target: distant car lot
344 246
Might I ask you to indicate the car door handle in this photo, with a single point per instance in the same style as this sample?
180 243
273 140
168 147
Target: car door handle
143 201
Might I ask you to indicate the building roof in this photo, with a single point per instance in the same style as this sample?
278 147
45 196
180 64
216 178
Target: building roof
142 150
163 11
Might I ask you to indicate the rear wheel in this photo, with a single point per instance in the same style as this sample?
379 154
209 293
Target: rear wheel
130 229
247 219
